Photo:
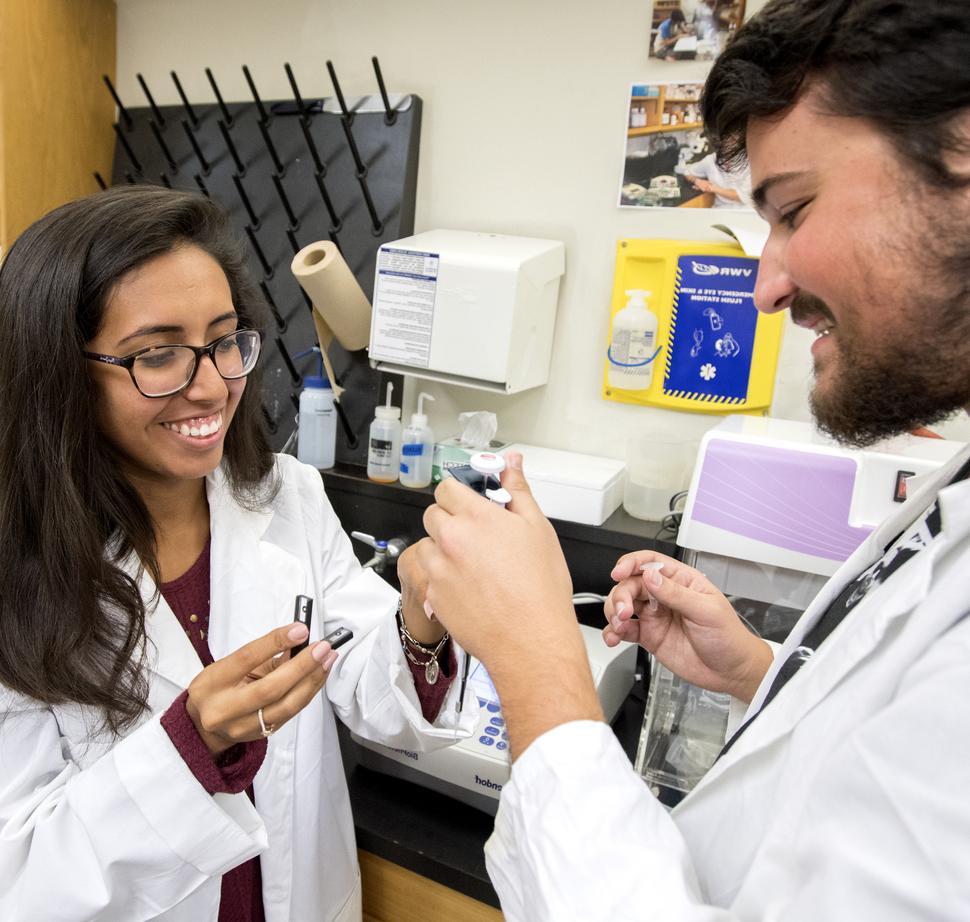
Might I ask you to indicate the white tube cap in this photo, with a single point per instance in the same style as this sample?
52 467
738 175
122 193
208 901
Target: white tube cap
486 462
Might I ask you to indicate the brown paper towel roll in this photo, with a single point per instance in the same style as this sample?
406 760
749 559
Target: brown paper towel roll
340 307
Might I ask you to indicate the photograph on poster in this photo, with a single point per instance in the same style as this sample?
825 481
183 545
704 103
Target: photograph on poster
668 162
689 30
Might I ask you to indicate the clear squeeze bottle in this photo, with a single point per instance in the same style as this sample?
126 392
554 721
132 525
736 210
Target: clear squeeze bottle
417 446
317 433
384 445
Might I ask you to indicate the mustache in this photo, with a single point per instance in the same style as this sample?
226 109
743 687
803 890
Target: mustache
805 305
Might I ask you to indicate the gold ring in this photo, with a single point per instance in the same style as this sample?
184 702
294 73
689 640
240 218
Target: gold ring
266 731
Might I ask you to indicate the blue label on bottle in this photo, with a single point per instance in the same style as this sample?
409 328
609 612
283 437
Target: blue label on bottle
413 449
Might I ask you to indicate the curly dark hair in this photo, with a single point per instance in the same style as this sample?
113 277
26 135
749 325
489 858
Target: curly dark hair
72 621
900 64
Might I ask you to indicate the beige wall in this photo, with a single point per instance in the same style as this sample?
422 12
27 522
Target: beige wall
525 108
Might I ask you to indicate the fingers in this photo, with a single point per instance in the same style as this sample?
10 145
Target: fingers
249 658
625 600
279 711
456 498
313 663
629 564
628 633
513 479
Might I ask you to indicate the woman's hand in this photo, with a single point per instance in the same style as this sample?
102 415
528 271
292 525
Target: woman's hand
414 594
686 623
225 697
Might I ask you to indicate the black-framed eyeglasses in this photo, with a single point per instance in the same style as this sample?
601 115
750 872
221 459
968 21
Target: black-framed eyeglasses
161 371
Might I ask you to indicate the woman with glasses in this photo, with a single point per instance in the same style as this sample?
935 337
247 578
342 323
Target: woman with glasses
165 748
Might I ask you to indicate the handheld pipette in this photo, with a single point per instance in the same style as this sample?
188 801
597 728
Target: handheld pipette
483 469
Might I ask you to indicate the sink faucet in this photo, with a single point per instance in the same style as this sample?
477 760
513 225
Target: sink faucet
385 552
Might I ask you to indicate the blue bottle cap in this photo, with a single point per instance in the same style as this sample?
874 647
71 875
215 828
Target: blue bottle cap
317 381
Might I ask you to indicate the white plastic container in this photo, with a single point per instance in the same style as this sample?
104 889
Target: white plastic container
384 442
570 486
633 344
317 434
417 448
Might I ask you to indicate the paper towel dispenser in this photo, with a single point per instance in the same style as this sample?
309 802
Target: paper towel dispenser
467 308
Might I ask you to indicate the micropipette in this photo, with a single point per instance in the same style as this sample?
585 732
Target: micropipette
481 470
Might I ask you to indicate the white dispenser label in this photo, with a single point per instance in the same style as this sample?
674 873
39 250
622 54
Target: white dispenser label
407 283
632 346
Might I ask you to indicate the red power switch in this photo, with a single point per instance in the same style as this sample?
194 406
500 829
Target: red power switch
899 494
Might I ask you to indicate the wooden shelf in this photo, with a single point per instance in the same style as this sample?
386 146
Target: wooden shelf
659 129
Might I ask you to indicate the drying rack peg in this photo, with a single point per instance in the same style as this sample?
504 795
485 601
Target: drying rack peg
121 108
284 199
274 310
189 111
335 221
127 147
321 167
151 101
390 114
304 114
233 152
222 105
263 114
247 204
271 147
296 377
347 114
263 261
166 153
195 146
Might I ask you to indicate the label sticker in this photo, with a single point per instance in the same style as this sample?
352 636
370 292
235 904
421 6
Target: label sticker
404 296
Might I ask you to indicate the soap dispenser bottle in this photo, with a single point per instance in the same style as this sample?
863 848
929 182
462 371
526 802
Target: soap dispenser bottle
633 344
417 447
384 443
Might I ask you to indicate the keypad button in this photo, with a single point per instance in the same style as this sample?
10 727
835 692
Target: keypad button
494 707
497 722
501 745
486 740
492 731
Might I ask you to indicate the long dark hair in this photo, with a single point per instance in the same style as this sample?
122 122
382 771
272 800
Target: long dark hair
72 621
899 64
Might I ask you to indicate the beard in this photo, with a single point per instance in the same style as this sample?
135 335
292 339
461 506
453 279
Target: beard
886 385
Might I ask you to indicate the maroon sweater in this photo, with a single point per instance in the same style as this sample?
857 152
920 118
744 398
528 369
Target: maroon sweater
233 771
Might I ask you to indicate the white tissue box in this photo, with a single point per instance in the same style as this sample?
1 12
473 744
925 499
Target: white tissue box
452 452
570 486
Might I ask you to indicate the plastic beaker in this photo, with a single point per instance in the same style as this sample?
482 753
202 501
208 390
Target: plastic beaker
658 465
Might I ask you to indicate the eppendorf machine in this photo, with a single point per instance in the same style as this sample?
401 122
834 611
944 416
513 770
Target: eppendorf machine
773 510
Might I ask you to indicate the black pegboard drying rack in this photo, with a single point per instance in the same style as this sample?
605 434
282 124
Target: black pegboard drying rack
290 172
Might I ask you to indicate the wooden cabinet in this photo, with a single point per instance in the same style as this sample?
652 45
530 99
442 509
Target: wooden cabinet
55 112
394 894
673 103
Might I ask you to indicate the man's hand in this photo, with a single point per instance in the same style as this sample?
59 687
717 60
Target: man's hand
498 581
686 623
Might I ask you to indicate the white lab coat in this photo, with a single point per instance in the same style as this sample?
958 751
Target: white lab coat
93 828
847 799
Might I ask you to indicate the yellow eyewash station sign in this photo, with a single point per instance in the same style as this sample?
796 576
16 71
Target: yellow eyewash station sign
684 331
